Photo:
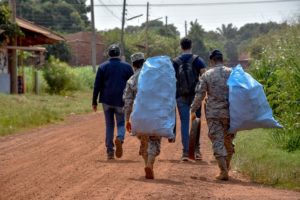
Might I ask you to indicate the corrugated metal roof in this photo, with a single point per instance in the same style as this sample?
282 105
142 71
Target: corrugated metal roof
38 29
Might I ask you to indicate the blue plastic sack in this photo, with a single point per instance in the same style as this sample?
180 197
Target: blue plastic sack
154 106
248 105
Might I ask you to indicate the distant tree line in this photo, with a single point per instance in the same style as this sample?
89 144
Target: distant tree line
70 16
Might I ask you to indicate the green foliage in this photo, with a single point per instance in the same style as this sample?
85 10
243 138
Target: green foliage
60 50
66 16
19 112
278 69
11 29
136 41
196 34
258 157
60 77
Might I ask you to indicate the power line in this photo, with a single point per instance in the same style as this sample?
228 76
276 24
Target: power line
201 4
109 10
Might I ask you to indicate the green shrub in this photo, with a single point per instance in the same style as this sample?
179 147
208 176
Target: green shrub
60 77
278 69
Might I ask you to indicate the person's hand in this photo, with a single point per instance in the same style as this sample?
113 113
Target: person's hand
95 108
193 116
128 126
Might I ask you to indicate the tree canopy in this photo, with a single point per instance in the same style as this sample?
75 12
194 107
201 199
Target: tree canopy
64 16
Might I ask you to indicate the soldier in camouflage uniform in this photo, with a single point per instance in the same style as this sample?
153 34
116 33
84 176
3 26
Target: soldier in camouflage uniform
213 82
150 145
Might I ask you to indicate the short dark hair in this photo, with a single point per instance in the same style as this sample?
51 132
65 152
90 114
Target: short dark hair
138 63
216 55
186 43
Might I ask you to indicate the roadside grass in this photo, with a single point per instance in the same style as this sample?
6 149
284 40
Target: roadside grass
18 112
260 158
83 76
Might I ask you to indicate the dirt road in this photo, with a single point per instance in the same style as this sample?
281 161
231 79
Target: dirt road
68 161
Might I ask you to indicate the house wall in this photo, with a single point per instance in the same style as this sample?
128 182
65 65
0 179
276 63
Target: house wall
4 75
80 44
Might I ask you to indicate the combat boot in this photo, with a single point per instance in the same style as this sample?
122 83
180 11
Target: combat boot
145 157
228 160
149 173
223 169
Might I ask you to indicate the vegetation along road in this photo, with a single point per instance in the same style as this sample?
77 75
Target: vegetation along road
68 161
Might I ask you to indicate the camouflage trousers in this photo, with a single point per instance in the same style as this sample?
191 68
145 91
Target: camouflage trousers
150 145
221 140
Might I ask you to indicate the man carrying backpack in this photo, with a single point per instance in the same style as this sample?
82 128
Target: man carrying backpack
188 67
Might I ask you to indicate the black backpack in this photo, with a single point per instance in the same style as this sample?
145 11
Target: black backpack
187 77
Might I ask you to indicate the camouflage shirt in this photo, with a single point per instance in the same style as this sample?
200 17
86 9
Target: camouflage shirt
214 83
130 93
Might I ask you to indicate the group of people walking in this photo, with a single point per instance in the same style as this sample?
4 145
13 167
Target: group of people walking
116 87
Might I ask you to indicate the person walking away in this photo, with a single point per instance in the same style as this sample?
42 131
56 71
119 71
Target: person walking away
188 68
149 145
213 83
110 83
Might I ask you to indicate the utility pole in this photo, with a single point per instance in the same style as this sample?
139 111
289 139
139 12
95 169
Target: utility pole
185 27
93 41
147 21
166 21
122 33
13 60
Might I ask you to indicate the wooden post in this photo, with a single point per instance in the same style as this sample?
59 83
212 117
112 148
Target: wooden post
122 29
93 41
13 61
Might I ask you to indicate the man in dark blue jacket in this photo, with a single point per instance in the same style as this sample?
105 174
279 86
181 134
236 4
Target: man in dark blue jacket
188 68
110 82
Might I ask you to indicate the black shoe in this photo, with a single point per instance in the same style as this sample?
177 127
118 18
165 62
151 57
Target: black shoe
110 156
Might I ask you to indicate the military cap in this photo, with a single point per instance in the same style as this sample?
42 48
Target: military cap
137 56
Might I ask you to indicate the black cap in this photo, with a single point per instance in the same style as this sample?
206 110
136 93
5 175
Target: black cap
216 54
114 50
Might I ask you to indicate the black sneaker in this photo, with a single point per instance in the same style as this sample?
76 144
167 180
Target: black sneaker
184 158
198 156
110 156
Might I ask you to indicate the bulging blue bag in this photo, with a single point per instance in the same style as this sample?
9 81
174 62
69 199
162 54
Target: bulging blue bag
248 105
154 106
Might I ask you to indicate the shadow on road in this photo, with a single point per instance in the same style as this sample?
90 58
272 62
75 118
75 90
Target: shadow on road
157 181
200 162
232 181
118 161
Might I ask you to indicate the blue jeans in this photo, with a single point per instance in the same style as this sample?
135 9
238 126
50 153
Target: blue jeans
110 112
183 105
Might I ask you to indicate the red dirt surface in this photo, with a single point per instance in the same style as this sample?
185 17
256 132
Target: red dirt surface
68 161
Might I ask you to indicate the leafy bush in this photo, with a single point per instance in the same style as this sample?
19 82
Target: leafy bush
278 69
60 50
60 77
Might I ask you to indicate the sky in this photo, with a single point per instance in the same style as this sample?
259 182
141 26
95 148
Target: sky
210 17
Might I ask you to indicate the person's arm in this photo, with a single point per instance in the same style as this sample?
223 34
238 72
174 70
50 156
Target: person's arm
200 90
128 98
200 65
97 87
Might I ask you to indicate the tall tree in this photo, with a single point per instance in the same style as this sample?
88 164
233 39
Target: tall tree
196 34
65 16
229 31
